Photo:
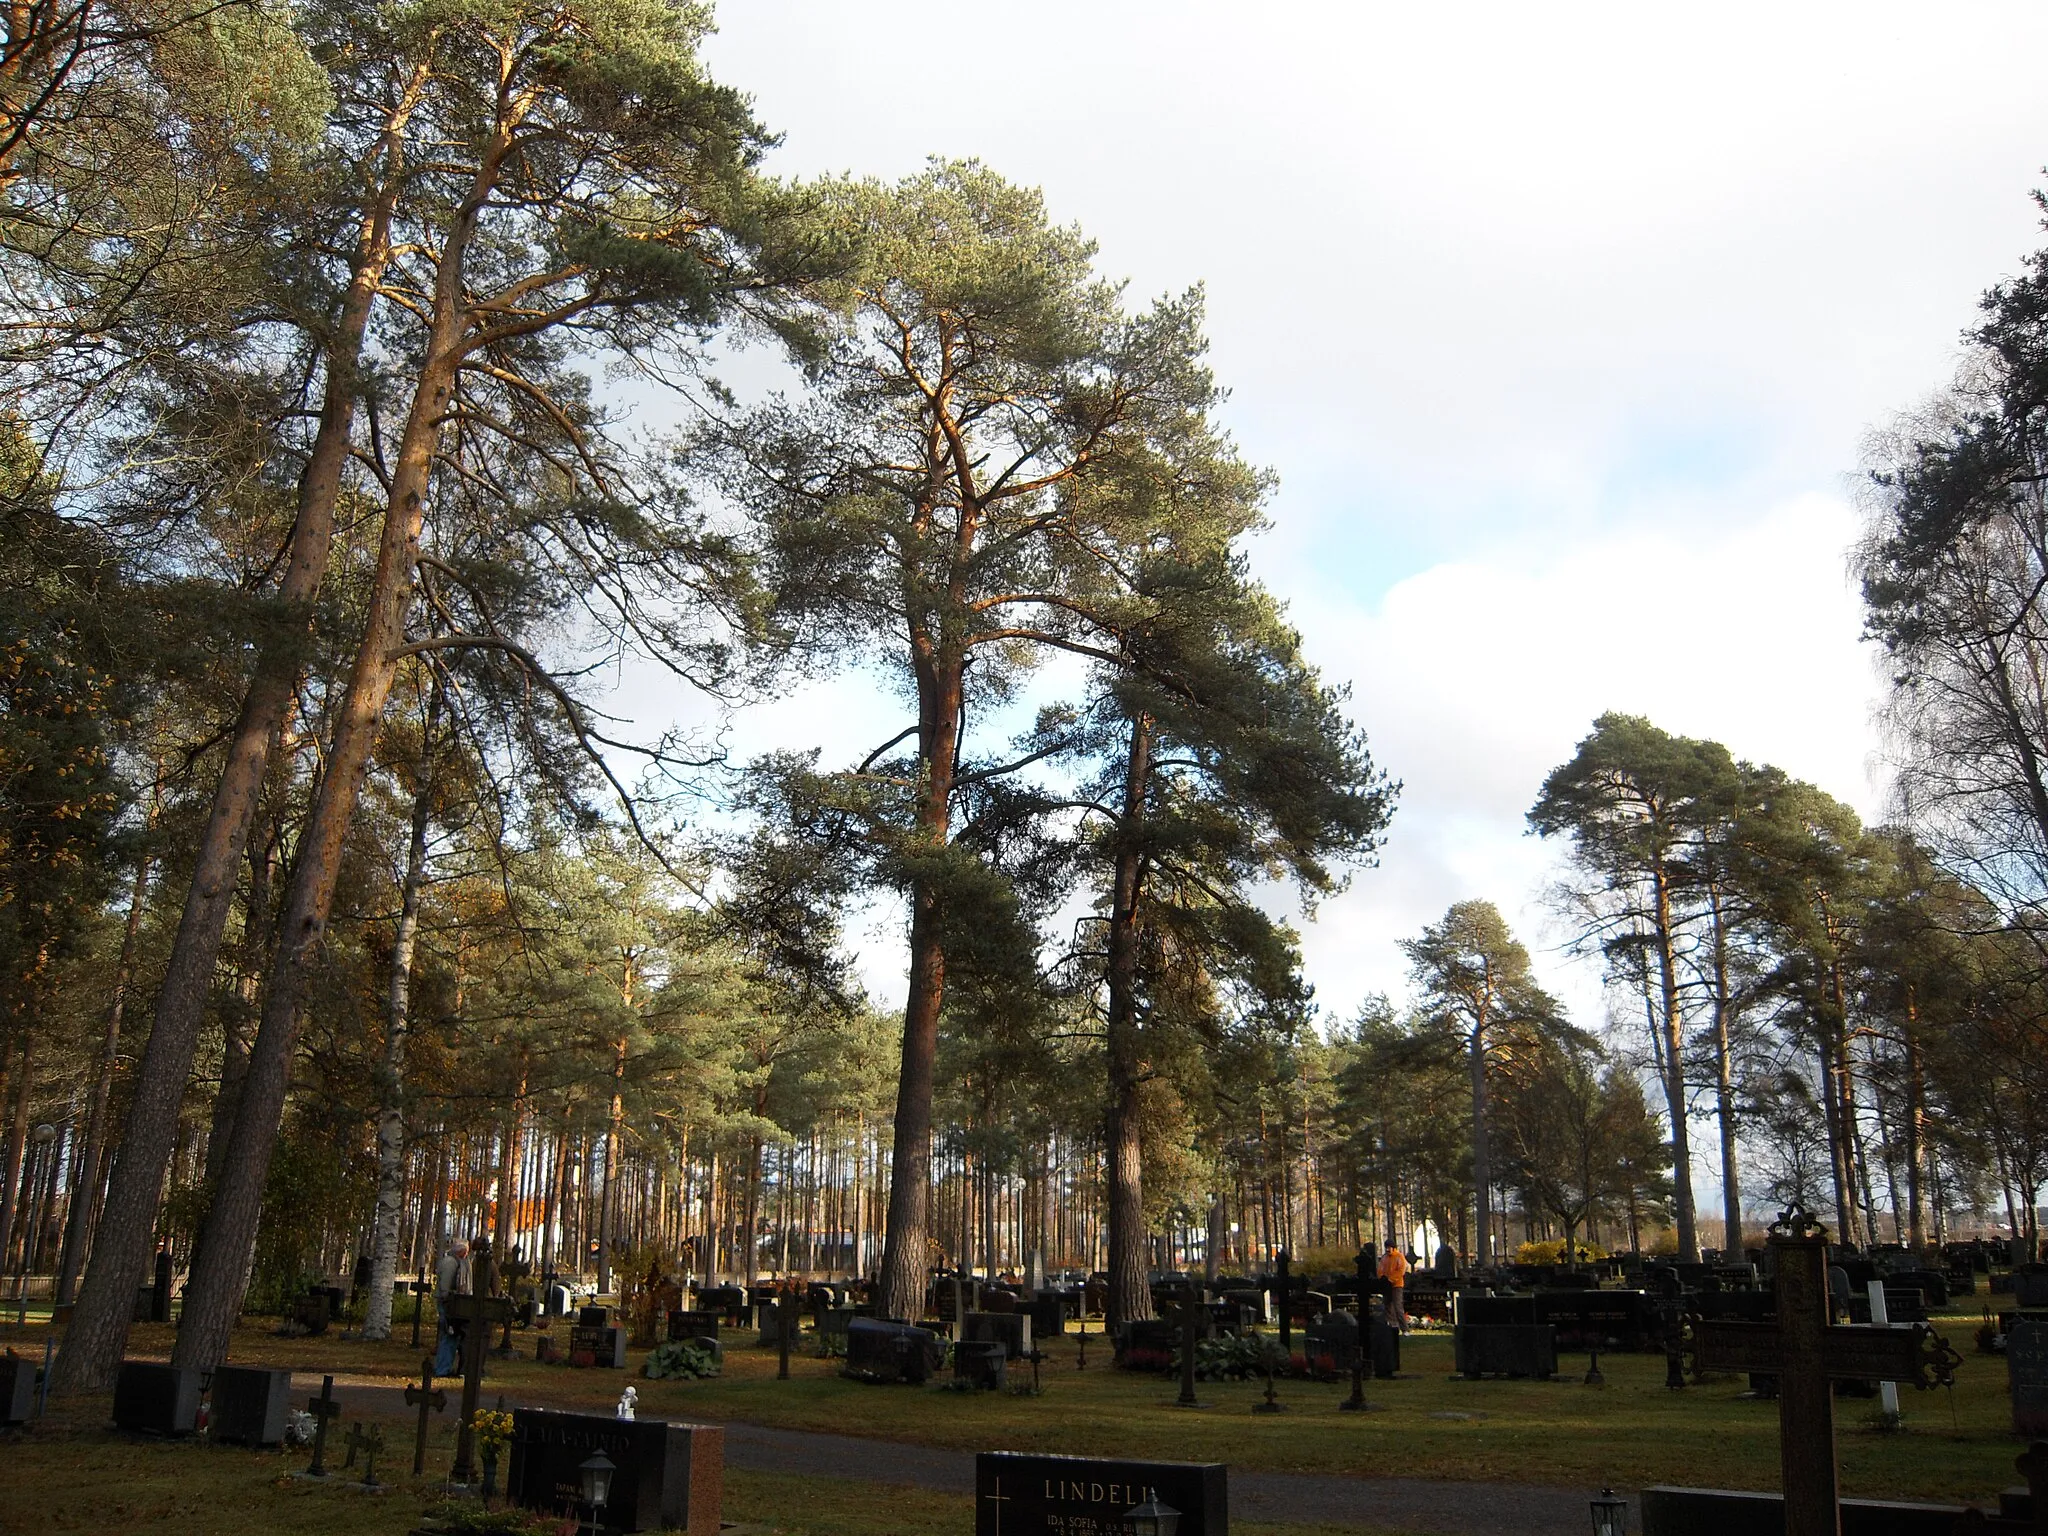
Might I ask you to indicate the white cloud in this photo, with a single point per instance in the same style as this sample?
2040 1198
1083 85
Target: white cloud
1475 679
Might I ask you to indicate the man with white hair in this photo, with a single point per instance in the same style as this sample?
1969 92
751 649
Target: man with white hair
451 1279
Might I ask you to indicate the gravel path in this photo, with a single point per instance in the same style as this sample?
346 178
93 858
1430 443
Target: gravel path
1423 1506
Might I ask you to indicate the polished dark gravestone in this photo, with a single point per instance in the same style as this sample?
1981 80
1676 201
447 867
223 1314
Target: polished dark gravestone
1012 1330
669 1476
891 1352
602 1346
1505 1349
2026 1365
1725 1512
17 1388
248 1404
1019 1495
982 1365
699 1323
153 1399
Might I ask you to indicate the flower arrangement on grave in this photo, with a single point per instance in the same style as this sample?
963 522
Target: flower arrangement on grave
493 1432
1231 1358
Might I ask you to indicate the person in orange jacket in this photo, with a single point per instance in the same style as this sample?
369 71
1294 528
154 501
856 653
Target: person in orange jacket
1394 1270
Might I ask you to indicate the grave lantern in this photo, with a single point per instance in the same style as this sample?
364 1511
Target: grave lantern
1610 1514
1153 1518
596 1475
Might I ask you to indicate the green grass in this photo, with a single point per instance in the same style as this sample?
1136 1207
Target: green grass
69 1474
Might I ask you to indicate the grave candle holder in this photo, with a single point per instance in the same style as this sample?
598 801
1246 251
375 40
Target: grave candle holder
1610 1514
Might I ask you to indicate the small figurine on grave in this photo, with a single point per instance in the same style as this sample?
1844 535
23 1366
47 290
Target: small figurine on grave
627 1402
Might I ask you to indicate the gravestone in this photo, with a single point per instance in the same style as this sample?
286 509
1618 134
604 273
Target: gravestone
312 1311
2030 1285
1604 1320
882 1352
601 1346
1048 1313
594 1317
981 1364
1505 1349
248 1404
832 1325
152 1399
1476 1308
1330 1342
701 1323
669 1476
1020 1495
1147 1344
2026 1366
1012 1330
729 1301
17 1388
775 1321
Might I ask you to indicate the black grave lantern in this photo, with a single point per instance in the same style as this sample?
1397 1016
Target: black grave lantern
1610 1514
1153 1518
596 1474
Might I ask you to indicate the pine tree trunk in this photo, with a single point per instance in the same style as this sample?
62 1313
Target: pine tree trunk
1482 1149
906 1243
1724 1087
1674 1077
92 1159
11 1187
1916 1129
391 1142
1130 1294
94 1342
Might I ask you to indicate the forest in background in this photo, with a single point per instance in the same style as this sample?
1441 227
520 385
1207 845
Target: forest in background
337 915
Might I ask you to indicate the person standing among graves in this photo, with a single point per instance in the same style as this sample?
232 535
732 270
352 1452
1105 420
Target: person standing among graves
1394 1270
451 1279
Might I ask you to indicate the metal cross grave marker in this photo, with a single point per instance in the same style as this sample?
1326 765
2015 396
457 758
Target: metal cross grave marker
1808 1353
323 1408
369 1444
478 1311
430 1398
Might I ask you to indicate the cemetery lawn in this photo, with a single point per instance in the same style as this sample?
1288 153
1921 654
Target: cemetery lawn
1429 1424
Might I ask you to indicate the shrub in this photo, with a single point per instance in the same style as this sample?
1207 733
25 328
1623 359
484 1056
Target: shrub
1552 1252
680 1359
1233 1359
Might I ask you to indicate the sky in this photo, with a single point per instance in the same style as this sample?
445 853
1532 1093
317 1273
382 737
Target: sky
1563 328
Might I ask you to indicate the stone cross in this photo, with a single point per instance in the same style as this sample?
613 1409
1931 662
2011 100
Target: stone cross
479 1310
323 1408
1808 1353
369 1444
430 1399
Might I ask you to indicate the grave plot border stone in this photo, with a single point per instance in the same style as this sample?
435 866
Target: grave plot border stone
669 1474
247 1404
155 1399
1016 1494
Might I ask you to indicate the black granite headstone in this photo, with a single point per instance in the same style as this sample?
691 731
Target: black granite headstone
667 1475
983 1365
891 1352
1020 1495
1505 1349
17 1389
153 1399
605 1346
248 1404
699 1324
2026 1367
1012 1330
